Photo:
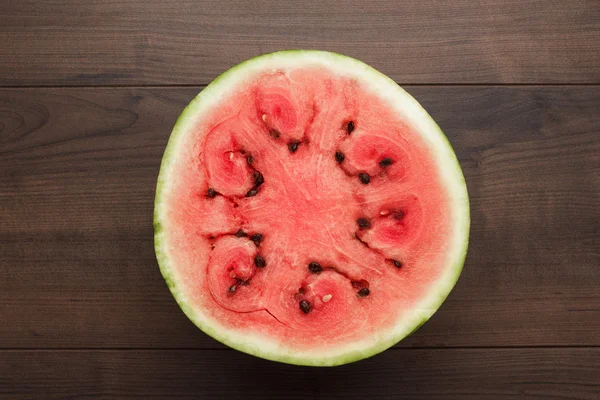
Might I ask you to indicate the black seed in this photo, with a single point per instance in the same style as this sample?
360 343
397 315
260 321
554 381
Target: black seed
249 160
386 162
397 263
315 267
239 281
350 127
305 306
256 238
364 178
363 292
210 193
259 261
259 179
339 156
274 133
399 215
293 146
252 192
240 234
363 223
232 289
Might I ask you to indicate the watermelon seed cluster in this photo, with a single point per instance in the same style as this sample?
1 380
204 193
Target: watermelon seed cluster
316 268
360 288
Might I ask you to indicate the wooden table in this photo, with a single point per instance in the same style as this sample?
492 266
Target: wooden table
90 92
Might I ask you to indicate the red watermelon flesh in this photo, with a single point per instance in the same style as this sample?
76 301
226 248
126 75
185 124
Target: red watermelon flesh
305 214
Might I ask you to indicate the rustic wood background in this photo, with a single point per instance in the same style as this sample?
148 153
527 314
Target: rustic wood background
89 92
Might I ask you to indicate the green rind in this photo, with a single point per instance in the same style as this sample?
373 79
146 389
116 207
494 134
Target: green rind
298 359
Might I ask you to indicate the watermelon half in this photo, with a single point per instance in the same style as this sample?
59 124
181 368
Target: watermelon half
308 210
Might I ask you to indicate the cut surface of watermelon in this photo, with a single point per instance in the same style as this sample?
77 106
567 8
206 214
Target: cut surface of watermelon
308 210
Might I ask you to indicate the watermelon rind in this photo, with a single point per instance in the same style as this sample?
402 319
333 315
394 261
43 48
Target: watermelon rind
411 112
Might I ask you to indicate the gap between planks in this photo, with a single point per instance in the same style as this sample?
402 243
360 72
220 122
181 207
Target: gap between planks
449 348
192 85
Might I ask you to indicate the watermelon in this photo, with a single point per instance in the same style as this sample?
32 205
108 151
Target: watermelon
308 210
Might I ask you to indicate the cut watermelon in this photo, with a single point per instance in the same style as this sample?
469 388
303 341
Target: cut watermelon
308 210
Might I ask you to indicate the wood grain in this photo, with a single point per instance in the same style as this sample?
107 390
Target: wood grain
406 373
153 42
77 176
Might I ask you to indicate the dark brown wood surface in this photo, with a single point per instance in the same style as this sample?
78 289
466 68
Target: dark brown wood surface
84 311
222 374
157 42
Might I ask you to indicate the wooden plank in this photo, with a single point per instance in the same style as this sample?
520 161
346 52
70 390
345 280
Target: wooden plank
155 42
215 374
77 176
